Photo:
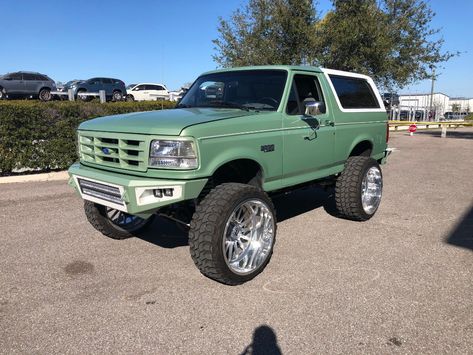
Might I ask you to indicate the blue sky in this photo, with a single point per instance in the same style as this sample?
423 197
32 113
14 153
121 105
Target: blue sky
167 41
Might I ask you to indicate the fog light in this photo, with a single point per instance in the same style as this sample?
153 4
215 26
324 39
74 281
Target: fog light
168 192
158 193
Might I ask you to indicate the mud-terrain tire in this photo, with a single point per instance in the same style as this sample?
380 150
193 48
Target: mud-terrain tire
99 217
358 189
218 243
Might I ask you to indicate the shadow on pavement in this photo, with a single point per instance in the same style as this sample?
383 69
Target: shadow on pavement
302 201
264 342
451 133
166 234
462 235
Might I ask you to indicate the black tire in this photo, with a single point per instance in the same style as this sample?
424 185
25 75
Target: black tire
45 95
117 96
348 189
97 216
2 94
208 225
130 98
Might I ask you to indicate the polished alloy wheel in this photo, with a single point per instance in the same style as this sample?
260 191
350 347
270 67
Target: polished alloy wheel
124 220
371 190
248 236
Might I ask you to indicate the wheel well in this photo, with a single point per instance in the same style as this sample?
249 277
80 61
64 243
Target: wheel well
241 170
117 90
363 149
44 87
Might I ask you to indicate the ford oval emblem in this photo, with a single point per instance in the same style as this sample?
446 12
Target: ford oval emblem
106 150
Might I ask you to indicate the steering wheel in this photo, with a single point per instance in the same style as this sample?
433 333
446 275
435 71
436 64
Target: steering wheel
269 99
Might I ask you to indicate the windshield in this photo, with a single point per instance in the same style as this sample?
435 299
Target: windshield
245 89
131 86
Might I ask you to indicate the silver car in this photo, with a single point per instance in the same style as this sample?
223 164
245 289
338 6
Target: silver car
26 84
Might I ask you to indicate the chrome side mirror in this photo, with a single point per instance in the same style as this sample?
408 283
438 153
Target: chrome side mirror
312 107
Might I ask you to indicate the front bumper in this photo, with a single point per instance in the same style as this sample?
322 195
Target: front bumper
131 194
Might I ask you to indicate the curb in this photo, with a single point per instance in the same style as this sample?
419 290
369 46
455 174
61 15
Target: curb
56 176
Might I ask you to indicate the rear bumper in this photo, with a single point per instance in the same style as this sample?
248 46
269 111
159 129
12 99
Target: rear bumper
127 193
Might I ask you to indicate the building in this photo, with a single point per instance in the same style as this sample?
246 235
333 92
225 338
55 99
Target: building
416 107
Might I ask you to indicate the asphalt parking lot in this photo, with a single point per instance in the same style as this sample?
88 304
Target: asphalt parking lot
399 283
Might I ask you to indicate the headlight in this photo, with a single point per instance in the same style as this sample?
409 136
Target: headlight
173 154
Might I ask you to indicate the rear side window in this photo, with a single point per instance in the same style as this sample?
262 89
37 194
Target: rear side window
354 92
29 77
107 81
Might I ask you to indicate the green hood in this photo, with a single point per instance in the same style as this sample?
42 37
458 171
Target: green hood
164 122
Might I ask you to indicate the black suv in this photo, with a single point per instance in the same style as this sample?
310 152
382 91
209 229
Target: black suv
114 88
26 84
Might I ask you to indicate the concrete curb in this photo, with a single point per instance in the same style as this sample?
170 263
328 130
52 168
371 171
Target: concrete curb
57 176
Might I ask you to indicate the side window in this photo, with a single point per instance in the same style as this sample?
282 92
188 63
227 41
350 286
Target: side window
303 87
354 92
139 88
158 87
16 76
107 81
29 77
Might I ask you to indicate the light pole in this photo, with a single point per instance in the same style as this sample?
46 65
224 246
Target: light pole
432 67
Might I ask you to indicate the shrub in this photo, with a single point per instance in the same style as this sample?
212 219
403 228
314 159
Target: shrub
41 136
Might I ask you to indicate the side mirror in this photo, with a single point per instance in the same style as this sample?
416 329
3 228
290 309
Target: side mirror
313 108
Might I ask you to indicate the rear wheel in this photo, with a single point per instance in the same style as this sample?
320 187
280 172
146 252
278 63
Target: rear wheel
117 96
114 223
2 94
45 94
232 233
359 188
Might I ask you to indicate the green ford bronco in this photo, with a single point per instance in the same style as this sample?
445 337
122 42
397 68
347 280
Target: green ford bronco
237 136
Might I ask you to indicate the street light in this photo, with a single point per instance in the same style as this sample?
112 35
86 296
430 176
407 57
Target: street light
432 67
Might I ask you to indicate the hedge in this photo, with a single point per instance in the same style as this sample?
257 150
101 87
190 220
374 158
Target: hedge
41 136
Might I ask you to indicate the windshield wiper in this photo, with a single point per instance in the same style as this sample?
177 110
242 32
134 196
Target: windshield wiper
228 104
183 106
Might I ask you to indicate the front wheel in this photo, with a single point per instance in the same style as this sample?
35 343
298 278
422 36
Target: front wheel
232 233
113 223
130 98
359 188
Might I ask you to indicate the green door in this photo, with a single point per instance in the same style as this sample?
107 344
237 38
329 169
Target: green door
308 150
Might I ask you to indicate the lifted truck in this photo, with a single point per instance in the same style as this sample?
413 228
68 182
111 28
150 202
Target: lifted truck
237 135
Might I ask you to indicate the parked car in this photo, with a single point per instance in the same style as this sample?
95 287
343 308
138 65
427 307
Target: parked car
146 92
238 136
114 88
26 84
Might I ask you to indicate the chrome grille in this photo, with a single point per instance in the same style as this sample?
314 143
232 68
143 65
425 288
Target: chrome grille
116 151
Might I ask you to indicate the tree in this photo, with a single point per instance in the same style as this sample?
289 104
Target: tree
267 32
390 40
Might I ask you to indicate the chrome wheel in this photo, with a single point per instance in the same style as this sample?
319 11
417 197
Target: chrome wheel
248 236
371 190
124 220
117 96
